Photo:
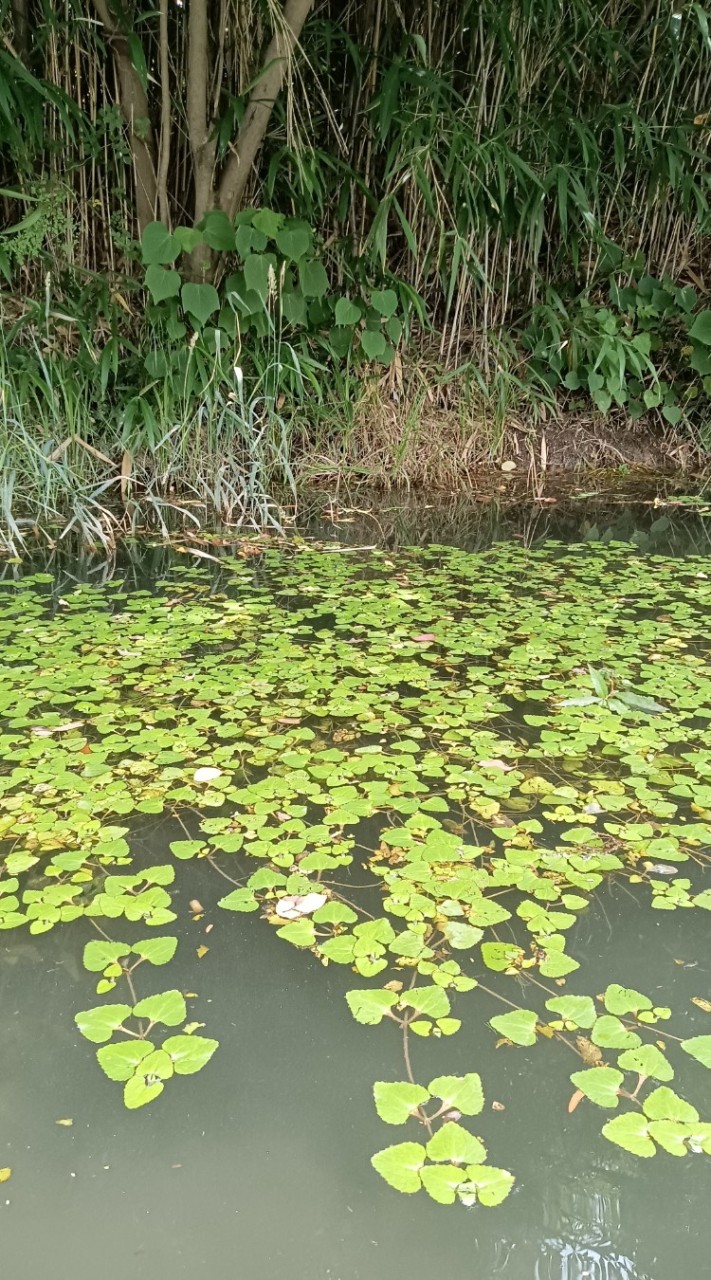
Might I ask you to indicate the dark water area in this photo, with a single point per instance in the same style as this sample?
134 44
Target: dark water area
260 1167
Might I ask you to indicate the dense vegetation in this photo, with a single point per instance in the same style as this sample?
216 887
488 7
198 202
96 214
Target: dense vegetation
239 236
304 721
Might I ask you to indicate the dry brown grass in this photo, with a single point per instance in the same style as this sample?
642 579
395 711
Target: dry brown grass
410 429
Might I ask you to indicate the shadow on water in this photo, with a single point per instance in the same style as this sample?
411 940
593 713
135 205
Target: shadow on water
260 1169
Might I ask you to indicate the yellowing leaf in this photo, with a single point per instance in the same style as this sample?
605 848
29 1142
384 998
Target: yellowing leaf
201 951
5 1175
66 1123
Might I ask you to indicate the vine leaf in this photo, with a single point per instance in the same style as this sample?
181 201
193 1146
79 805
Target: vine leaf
396 1102
647 1061
465 1093
441 1181
239 900
486 1184
167 1007
580 1010
189 1054
156 950
630 1131
99 1024
699 1047
600 1084
622 1000
98 954
665 1104
431 1001
400 1165
609 1033
370 1007
119 1061
456 1144
518 1026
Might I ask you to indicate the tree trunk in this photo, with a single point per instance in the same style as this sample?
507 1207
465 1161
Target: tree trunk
238 169
202 144
134 105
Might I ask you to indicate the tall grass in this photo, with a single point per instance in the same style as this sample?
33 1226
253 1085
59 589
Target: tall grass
497 158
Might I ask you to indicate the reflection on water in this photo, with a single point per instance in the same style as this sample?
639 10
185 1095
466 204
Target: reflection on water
586 1224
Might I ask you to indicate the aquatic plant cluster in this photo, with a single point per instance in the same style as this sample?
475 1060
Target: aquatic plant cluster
493 735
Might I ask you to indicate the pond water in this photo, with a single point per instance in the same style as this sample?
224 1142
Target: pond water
331 720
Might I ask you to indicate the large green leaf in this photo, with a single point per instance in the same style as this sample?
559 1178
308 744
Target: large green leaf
119 1061
218 232
699 1047
185 849
313 279
347 313
500 956
665 1104
239 900
370 1007
396 1102
158 246
200 301
701 328
400 1165
97 954
441 1181
621 1000
431 1001
138 1091
463 1093
461 936
630 1131
456 1144
294 239
162 283
518 1026
577 1009
384 301
648 1061
156 950
609 1033
100 1023
189 1053
600 1084
167 1007
486 1185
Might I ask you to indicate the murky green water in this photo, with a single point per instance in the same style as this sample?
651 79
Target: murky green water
259 1167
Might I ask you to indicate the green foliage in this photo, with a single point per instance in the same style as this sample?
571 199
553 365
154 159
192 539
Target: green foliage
648 350
280 286
451 1165
306 747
